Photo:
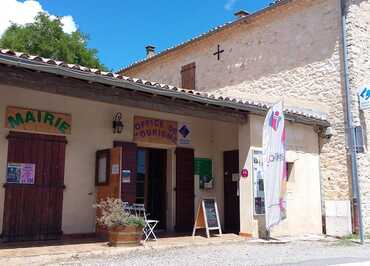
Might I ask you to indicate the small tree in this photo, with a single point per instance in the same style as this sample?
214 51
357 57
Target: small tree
45 37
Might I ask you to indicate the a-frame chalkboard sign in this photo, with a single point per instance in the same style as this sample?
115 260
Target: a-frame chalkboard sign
207 216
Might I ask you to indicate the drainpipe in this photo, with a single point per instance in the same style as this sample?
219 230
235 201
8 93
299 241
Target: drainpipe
349 118
322 199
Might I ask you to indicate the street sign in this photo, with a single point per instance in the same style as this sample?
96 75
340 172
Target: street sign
364 97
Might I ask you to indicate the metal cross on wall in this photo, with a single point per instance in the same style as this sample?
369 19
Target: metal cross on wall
219 52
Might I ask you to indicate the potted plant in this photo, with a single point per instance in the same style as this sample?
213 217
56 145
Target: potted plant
123 227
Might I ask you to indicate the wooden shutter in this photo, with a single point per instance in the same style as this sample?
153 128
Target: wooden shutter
188 76
108 182
34 211
184 189
129 153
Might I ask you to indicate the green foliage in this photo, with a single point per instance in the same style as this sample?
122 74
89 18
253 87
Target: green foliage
135 221
45 37
112 214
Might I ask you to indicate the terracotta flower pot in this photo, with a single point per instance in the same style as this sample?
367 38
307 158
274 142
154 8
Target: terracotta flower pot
125 236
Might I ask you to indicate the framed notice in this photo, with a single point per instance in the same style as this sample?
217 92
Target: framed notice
126 176
203 168
21 173
13 174
258 185
115 169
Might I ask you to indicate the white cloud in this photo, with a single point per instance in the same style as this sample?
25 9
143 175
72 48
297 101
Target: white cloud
69 25
25 12
229 4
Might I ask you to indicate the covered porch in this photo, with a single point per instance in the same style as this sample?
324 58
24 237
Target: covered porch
170 174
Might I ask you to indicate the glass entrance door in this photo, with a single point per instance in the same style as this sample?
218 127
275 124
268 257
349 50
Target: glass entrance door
151 183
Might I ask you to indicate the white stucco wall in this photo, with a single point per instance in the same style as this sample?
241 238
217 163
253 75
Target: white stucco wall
92 131
303 188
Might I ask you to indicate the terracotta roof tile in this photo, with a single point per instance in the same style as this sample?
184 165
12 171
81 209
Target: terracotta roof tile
153 87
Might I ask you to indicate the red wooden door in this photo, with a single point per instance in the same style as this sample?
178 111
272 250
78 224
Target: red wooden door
231 199
184 189
34 211
107 180
129 153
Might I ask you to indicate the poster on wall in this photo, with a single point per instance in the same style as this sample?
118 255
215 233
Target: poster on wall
21 173
184 134
126 176
258 188
27 173
13 173
115 169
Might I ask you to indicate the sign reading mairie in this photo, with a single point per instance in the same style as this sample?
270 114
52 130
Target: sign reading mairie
19 118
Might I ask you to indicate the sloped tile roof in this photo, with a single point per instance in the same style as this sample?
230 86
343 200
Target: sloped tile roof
95 75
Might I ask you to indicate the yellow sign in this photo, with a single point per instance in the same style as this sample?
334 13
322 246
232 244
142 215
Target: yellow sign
35 120
154 130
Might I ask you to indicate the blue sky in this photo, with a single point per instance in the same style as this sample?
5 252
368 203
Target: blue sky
120 29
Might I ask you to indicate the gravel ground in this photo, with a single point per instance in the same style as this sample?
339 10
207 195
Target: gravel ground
245 253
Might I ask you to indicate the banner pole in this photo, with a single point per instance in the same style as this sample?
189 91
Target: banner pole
268 235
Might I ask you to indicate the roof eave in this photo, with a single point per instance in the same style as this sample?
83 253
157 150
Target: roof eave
142 87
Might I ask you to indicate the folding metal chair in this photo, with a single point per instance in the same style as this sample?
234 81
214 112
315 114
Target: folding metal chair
149 224
127 207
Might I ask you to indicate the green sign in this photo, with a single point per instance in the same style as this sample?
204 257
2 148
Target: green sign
36 120
203 168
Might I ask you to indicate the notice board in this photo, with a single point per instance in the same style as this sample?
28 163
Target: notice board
207 216
203 168
21 173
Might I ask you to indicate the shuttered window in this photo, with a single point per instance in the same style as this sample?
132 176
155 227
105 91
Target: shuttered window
184 189
188 76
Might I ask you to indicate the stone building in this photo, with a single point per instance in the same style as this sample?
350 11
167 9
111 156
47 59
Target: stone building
72 135
291 50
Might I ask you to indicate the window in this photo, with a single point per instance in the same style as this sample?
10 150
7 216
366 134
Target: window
188 76
102 167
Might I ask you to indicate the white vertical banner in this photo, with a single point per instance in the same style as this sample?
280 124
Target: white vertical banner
274 167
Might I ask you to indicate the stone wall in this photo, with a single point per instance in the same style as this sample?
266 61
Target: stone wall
291 52
358 21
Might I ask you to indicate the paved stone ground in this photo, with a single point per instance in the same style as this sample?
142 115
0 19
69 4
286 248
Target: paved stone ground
302 253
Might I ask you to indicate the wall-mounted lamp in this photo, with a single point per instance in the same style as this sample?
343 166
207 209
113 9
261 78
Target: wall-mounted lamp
117 123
